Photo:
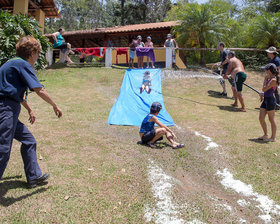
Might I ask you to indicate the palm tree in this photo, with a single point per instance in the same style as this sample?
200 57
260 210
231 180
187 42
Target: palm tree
265 30
200 27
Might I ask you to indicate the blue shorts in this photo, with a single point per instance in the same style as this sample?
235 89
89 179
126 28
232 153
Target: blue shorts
269 103
132 54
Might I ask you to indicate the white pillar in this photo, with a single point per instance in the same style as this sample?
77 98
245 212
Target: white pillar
49 56
108 57
168 57
63 55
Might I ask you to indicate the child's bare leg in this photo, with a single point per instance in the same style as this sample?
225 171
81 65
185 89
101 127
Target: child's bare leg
171 139
273 124
263 124
147 88
159 133
142 88
148 62
142 59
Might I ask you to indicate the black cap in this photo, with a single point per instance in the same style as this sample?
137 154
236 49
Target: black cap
271 67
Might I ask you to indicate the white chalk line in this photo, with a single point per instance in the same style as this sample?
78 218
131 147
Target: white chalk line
165 210
210 144
266 205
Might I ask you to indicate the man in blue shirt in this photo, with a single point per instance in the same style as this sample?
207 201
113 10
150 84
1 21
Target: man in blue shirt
16 76
223 64
274 59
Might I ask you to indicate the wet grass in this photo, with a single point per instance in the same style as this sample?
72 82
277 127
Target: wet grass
98 172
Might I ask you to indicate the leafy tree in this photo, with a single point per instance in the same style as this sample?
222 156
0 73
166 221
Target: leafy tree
273 6
264 31
78 15
200 26
90 14
12 28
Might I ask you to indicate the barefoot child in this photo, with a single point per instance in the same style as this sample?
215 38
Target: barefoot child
149 43
146 83
271 81
149 135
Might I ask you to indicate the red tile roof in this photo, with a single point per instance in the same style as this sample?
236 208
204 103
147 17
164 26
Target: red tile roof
123 29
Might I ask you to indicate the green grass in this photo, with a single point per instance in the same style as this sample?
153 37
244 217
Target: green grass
98 172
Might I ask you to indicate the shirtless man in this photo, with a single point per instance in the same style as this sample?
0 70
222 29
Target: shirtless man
237 73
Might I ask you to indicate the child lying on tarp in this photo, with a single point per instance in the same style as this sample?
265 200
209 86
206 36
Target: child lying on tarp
146 83
149 135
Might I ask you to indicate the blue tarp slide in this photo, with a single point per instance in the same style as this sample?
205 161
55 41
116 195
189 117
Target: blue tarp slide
134 102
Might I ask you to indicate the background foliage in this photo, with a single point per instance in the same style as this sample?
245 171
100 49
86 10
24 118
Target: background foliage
12 28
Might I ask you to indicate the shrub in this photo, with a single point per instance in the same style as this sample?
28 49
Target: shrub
12 28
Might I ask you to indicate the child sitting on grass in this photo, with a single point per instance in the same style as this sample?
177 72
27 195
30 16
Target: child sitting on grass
149 135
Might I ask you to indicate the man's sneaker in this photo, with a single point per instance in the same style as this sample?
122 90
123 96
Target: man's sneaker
38 181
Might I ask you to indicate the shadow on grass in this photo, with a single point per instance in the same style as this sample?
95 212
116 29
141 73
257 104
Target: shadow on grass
13 177
186 99
57 66
159 145
257 141
216 94
228 108
6 184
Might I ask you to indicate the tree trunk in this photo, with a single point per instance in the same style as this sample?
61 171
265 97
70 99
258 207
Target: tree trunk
122 12
202 58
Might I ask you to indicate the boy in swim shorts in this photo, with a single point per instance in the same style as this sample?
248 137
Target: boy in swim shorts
149 135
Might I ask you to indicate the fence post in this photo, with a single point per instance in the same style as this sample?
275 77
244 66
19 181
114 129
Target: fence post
108 57
168 57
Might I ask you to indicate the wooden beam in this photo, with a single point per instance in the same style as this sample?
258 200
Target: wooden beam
34 4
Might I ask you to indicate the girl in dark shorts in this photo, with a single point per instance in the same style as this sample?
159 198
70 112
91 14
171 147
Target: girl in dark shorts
149 135
271 81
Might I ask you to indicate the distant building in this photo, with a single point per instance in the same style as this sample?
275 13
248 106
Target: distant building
118 36
121 36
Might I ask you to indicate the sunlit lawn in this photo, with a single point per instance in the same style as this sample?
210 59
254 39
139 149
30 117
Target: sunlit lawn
98 172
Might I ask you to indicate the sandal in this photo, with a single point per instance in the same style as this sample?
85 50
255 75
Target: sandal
234 105
264 137
179 146
269 140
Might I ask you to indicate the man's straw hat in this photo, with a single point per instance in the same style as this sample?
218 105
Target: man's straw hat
271 50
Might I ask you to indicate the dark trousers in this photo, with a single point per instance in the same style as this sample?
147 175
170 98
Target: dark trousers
276 94
11 128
